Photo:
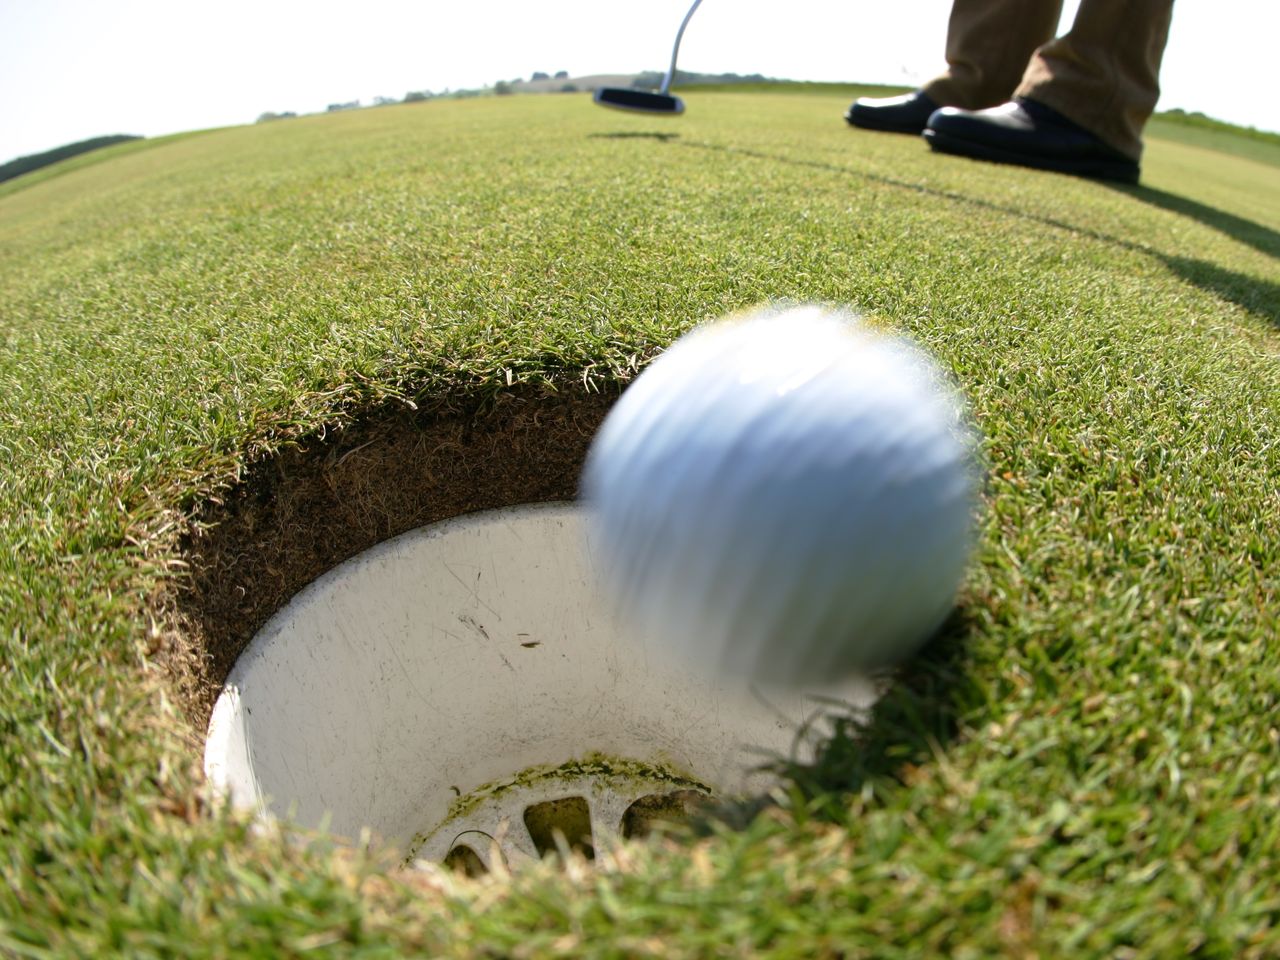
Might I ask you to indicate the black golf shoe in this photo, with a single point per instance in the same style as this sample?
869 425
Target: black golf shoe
1030 134
905 114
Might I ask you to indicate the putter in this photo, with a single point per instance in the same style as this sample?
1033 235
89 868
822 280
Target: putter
649 101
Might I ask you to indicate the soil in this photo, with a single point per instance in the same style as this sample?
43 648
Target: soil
318 503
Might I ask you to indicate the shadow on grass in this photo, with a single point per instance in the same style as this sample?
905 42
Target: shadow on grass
915 719
1259 297
634 135
1262 239
910 725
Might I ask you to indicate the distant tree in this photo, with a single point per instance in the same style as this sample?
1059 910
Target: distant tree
384 101
269 116
538 75
562 74
502 88
651 79
569 88
335 107
415 96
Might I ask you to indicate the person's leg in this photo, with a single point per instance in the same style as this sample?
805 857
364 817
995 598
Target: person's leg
1104 74
1083 100
988 45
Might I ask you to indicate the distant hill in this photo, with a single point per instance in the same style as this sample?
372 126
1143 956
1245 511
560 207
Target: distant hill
16 168
1198 130
589 82
650 79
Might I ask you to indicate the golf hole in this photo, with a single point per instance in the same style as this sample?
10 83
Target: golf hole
461 691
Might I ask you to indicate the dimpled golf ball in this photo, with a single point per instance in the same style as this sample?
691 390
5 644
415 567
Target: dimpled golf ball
786 497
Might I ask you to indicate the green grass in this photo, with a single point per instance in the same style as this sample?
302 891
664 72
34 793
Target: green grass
805 87
1087 764
89 159
1180 127
1200 131
1202 122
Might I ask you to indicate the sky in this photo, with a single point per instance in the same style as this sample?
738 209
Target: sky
74 69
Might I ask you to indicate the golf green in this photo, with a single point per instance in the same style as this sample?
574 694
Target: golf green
230 359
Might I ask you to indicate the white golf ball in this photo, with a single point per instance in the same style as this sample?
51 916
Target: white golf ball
787 497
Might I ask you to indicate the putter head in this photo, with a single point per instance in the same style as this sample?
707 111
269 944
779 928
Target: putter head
644 101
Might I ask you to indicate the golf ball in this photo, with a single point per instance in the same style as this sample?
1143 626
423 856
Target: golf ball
787 496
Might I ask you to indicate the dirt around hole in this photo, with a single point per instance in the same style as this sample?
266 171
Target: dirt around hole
303 512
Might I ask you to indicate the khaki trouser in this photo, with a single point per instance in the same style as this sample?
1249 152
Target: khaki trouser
1102 75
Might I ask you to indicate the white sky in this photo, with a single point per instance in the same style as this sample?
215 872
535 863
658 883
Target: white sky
73 69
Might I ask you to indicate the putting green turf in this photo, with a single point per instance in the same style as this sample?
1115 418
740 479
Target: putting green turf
1089 763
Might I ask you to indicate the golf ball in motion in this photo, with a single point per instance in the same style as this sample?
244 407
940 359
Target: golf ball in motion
787 497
